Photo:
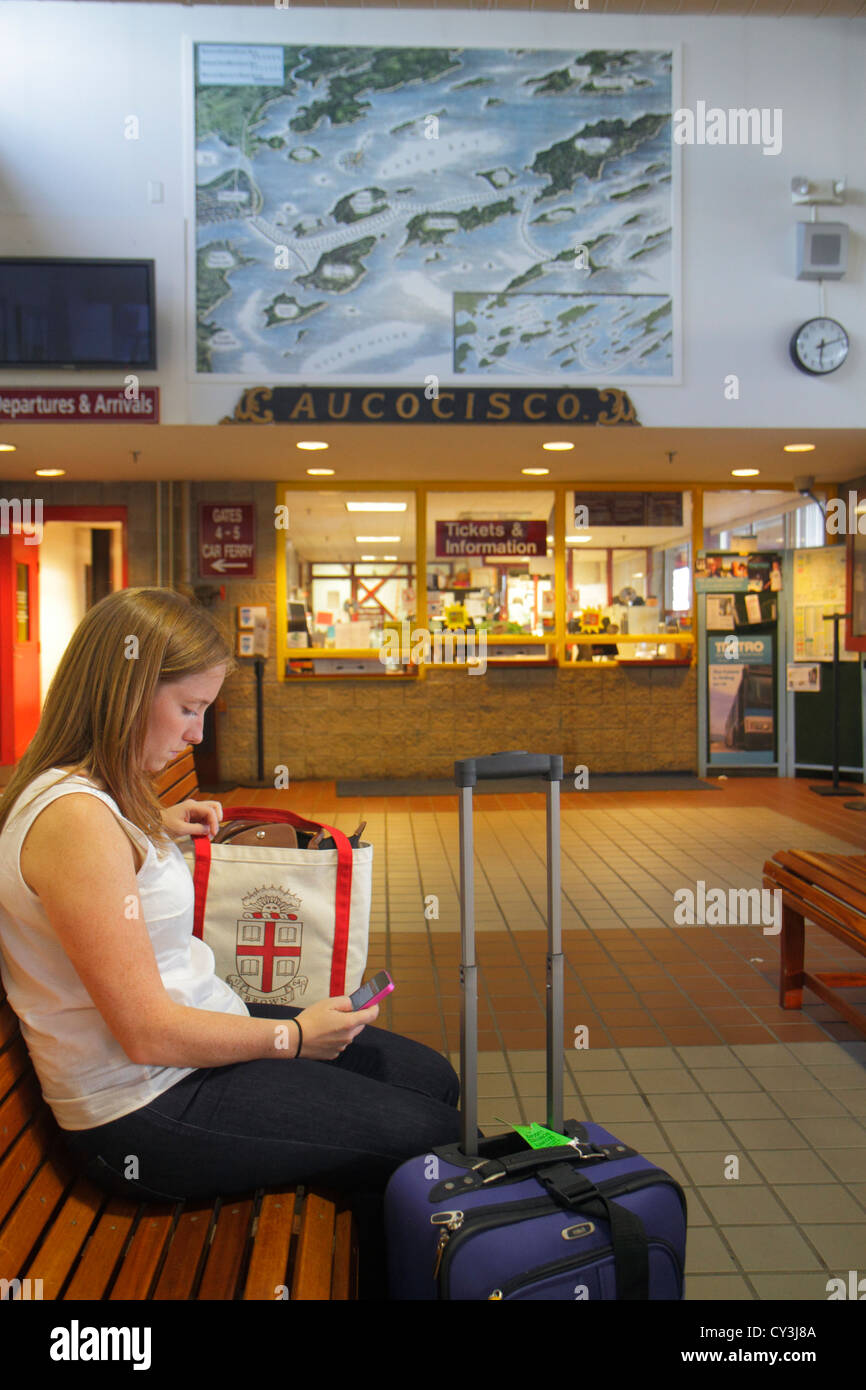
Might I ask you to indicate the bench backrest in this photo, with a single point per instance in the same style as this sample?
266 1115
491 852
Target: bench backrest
178 780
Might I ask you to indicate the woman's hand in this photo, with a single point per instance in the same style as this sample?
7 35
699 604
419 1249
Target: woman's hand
329 1026
193 818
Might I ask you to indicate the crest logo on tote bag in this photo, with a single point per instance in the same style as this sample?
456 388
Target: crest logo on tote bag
268 948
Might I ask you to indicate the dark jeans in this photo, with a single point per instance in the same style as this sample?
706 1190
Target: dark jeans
346 1124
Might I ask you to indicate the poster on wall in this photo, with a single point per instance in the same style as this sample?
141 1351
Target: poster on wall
411 213
819 588
740 699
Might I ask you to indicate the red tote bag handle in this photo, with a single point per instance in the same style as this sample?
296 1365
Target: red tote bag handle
343 899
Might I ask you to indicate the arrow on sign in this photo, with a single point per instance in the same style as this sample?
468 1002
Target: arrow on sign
222 565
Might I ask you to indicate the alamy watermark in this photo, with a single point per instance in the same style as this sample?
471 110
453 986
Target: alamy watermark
22 516
736 126
846 518
738 907
420 646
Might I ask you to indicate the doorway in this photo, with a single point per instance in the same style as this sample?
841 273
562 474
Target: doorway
45 589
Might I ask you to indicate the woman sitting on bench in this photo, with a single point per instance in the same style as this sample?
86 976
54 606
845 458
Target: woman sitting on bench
165 1083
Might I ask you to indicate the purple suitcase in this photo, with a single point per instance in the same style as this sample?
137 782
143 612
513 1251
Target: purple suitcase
494 1218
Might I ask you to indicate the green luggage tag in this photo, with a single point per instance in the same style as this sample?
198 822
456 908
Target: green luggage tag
538 1137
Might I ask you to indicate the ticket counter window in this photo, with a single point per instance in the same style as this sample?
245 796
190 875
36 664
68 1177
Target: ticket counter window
350 570
490 565
628 575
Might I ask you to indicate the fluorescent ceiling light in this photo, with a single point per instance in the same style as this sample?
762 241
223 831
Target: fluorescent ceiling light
798 448
578 540
379 540
745 472
50 472
389 557
369 557
556 444
311 444
320 472
535 471
10 449
376 506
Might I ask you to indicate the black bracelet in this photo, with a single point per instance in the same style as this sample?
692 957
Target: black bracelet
300 1039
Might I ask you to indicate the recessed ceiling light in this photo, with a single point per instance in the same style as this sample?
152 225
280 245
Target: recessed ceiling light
556 444
311 444
376 506
745 472
798 448
379 540
320 472
8 448
50 472
535 471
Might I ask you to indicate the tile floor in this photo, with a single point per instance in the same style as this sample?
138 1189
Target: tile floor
759 1112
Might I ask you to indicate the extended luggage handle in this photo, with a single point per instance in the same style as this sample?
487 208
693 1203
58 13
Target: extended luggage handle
467 773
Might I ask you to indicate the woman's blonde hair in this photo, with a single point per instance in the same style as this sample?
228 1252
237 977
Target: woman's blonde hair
96 711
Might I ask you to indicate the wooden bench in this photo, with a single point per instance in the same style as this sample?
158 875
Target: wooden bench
73 1240
829 890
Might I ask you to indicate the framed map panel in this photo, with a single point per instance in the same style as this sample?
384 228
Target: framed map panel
478 214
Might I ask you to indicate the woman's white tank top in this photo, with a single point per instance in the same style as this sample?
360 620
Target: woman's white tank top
86 1077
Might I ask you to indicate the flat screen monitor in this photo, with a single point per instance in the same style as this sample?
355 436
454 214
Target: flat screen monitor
77 313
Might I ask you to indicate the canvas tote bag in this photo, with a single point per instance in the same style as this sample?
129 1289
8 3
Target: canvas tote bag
286 926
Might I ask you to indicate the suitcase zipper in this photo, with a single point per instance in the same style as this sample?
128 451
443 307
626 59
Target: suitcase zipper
562 1266
455 1229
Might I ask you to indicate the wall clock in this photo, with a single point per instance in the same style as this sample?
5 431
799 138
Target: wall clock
819 346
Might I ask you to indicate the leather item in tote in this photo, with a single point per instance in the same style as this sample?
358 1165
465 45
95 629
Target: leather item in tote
287 925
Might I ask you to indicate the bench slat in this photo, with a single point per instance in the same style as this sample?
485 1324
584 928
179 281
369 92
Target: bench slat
142 1259
270 1257
8 1024
14 1063
312 1278
225 1259
33 1213
344 1284
827 877
17 1111
180 1271
102 1251
23 1161
66 1237
179 770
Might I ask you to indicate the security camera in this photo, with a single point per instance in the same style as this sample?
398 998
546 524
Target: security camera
804 485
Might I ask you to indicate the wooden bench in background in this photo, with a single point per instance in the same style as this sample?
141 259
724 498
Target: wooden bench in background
829 890
82 1243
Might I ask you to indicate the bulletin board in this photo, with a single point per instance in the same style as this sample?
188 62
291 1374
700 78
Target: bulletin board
819 588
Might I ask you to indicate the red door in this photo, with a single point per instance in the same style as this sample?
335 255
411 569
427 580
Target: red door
20 703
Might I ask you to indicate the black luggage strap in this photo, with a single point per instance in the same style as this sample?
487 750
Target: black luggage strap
525 1164
627 1235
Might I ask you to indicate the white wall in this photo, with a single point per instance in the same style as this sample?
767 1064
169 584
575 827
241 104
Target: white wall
70 184
63 554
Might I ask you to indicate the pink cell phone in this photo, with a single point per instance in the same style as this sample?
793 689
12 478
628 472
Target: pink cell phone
372 991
